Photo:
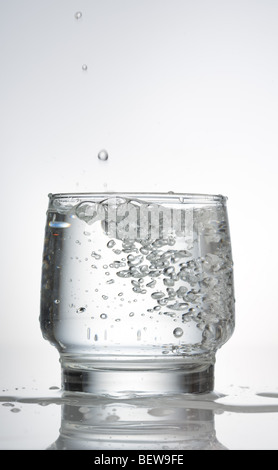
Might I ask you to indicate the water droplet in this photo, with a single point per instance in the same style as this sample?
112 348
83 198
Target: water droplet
78 15
85 67
8 404
103 155
103 316
56 301
15 410
178 332
104 297
131 314
111 243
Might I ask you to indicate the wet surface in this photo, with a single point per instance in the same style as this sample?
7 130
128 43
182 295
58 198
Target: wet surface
240 418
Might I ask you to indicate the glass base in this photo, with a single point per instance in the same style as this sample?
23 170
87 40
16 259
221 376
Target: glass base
127 380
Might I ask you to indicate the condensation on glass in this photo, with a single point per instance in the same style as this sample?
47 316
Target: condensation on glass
137 291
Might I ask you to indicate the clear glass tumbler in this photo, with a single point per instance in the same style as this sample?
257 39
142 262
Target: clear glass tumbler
137 291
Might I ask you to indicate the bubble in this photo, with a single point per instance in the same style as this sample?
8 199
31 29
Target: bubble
178 332
169 271
125 273
158 295
78 15
81 310
134 260
56 301
103 316
95 255
168 282
85 67
104 297
103 155
151 284
116 264
178 306
171 241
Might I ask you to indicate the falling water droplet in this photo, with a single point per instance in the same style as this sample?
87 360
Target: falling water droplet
78 15
103 155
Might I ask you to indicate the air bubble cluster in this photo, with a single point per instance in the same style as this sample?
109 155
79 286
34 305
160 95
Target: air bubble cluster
178 277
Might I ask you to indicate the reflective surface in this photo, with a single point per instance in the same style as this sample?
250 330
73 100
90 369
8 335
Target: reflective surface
241 419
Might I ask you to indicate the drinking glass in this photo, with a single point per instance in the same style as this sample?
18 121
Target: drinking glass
137 291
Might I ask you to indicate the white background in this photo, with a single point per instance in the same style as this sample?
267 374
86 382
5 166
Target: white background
183 95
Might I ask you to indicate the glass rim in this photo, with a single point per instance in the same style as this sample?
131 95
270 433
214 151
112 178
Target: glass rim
180 197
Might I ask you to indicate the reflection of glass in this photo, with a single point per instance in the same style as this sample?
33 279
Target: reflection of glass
137 282
138 424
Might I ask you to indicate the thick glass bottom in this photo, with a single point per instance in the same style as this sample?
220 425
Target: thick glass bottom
126 380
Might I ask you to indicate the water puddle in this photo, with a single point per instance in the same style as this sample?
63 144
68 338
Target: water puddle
176 422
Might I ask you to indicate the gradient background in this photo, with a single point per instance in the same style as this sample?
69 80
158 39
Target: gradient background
183 94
